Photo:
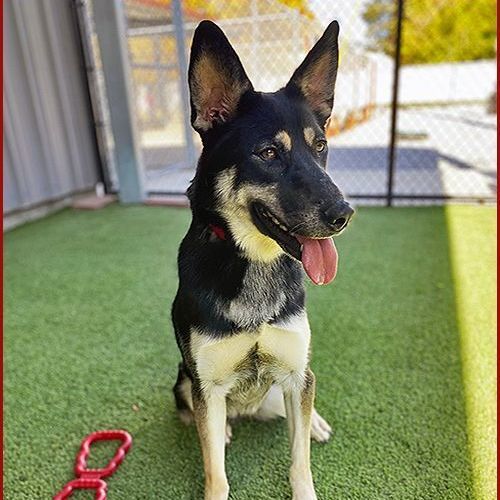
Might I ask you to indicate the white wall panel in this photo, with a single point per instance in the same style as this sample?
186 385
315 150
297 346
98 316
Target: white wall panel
49 146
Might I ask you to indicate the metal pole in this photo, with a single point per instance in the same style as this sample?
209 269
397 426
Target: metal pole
184 85
161 78
373 83
88 64
394 108
111 34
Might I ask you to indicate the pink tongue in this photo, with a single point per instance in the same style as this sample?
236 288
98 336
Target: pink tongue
319 258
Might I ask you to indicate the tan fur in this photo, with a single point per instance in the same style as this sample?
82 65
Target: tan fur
210 417
299 404
313 87
186 415
216 359
234 205
284 139
309 135
287 344
212 86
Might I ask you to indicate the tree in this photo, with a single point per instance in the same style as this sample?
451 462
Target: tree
434 30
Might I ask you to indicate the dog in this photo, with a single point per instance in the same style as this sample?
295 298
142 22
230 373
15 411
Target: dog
263 212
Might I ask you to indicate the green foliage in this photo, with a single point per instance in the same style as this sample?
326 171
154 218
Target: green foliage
434 30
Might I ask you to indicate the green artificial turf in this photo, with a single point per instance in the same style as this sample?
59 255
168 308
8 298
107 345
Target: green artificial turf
398 342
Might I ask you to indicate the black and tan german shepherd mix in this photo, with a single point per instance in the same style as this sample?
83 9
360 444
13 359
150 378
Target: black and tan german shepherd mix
264 209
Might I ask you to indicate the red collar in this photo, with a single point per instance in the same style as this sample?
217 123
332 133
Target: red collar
218 231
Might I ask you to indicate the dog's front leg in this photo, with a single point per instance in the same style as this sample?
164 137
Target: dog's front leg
209 407
299 403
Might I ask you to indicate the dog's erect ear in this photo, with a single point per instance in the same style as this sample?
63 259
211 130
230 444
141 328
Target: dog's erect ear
217 79
315 78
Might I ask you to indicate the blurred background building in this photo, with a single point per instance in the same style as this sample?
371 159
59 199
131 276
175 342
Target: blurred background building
62 135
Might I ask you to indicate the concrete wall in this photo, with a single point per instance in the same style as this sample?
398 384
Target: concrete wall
49 147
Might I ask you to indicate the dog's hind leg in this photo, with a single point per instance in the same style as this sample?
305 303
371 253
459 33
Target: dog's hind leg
183 398
273 406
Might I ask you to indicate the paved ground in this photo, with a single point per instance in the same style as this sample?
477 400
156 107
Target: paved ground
441 150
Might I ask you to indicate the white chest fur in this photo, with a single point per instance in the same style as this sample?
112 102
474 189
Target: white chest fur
281 349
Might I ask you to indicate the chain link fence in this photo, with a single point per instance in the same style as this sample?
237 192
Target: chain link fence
445 138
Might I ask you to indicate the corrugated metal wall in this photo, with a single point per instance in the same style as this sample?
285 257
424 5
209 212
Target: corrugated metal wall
49 147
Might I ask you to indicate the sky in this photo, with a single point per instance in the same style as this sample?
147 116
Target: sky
347 12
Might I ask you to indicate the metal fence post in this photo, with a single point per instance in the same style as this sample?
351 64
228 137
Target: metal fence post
111 33
394 108
180 45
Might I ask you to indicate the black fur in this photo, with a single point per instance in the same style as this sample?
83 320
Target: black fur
180 402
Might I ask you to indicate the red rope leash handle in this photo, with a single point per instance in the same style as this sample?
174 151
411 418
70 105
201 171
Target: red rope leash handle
91 479
98 485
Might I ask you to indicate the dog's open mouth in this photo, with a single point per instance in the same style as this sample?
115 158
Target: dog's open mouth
318 256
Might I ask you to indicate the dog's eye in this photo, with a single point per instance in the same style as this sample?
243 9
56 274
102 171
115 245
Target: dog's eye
320 146
268 154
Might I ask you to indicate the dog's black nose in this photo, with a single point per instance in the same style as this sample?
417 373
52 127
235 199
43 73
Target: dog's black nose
338 215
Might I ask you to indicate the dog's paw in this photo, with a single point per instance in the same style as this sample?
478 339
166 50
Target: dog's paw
306 495
320 430
217 491
229 434
303 490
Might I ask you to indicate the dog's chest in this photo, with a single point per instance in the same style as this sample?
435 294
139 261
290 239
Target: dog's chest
249 362
262 296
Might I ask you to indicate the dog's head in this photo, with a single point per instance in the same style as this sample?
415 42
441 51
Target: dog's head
262 169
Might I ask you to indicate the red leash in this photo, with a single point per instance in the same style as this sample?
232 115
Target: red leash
91 479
